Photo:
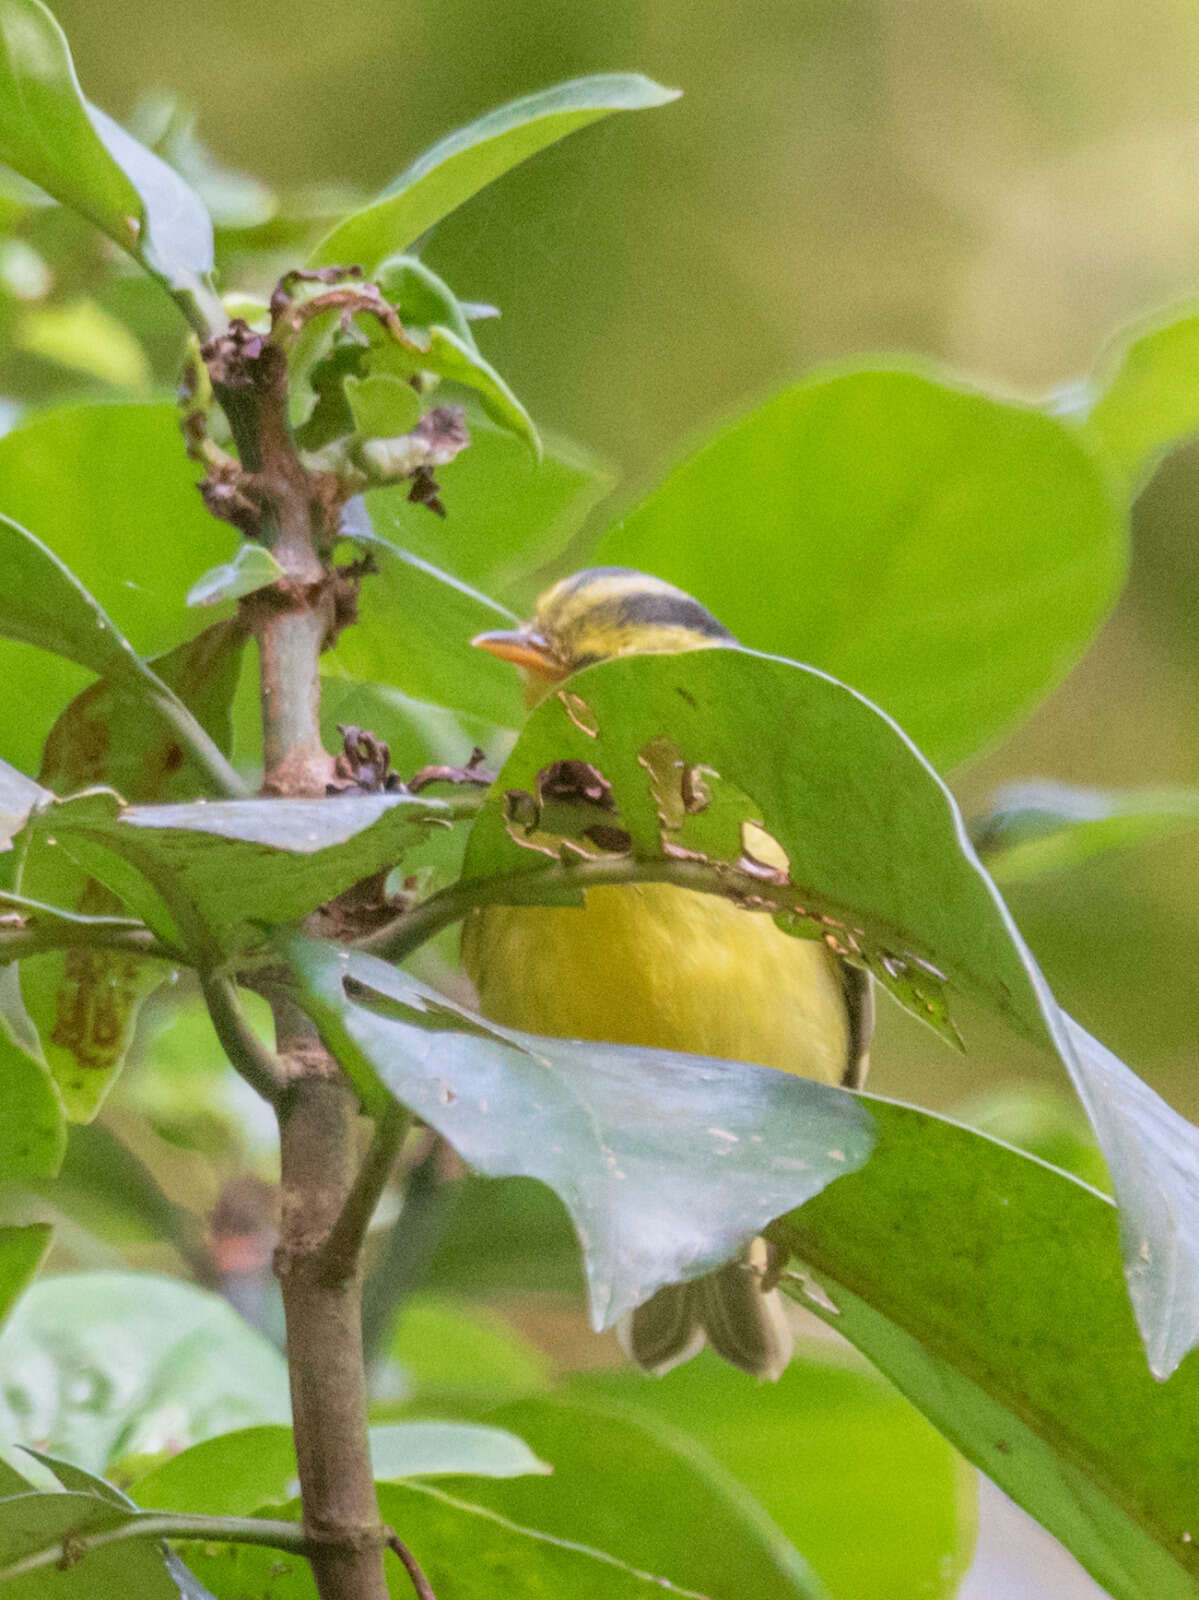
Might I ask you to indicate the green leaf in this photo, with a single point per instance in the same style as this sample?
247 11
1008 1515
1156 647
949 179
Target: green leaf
444 353
240 1472
1148 399
420 297
505 515
230 1475
1036 828
85 338
101 1366
451 1350
628 1483
450 1449
236 862
467 1551
997 1306
42 603
414 632
253 567
111 493
880 1504
466 161
947 554
30 1523
700 1157
51 136
85 1002
905 891
32 1131
382 405
21 1252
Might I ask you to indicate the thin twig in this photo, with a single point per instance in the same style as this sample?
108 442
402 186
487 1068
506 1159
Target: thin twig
72 1547
343 1246
421 1584
248 1055
34 937
397 939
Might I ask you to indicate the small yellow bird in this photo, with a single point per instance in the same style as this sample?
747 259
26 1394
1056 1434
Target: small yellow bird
654 965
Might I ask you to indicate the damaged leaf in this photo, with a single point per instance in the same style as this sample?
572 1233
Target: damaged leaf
879 856
667 1163
85 1001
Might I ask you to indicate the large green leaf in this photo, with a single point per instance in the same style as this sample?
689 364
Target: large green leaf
102 1366
876 844
1034 828
505 515
667 1163
50 135
988 1287
948 554
110 492
461 164
1148 398
626 1482
881 1506
85 1001
21 1252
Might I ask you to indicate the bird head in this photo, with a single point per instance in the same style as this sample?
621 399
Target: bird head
600 613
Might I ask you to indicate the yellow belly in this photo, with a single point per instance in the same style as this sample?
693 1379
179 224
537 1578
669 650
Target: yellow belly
650 964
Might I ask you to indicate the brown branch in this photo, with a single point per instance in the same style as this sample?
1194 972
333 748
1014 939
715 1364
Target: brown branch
317 1108
342 1249
246 1052
421 1584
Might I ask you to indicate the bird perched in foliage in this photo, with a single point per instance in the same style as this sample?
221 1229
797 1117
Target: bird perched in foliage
655 965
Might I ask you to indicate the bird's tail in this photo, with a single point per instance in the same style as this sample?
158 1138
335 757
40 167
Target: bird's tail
730 1310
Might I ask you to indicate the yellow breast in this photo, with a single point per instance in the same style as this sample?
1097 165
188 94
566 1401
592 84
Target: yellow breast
650 964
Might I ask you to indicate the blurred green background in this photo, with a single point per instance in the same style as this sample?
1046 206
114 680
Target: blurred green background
997 185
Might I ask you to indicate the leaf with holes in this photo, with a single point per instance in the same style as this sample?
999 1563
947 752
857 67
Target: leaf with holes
878 861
